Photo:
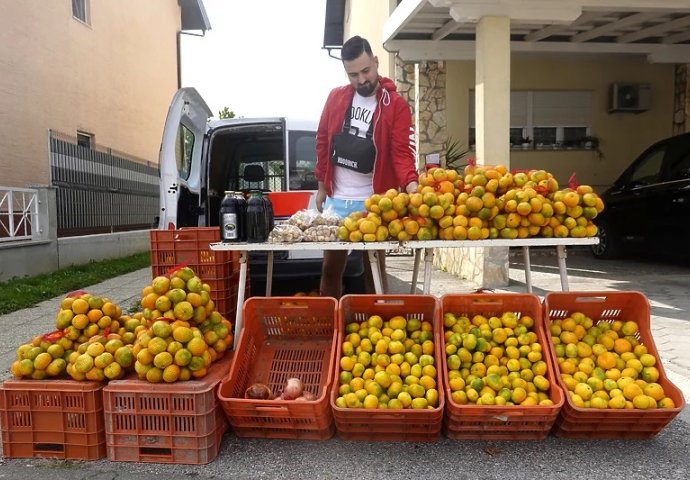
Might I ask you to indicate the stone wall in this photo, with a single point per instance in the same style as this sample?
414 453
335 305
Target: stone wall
430 108
681 112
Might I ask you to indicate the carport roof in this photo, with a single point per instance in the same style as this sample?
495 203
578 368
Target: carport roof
445 29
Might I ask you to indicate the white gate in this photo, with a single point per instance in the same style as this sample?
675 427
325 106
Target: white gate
18 214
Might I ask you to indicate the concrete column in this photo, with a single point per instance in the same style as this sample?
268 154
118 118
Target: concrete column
492 94
488 267
47 213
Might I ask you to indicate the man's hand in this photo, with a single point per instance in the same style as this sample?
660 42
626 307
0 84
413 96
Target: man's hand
320 198
411 187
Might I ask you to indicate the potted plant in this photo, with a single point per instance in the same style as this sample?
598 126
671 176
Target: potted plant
590 142
526 142
455 153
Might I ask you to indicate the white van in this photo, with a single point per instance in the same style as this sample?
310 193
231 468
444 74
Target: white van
200 159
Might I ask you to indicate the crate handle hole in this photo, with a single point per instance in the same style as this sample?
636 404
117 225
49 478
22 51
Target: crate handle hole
384 301
159 452
590 299
293 305
487 301
49 447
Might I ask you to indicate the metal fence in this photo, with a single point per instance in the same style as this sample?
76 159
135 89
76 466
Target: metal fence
100 190
18 214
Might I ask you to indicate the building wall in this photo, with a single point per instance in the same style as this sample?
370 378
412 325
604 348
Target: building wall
113 78
366 18
622 136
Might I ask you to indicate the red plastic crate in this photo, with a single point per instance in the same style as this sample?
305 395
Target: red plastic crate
576 422
388 425
190 246
52 419
177 422
171 249
500 422
283 337
287 203
226 302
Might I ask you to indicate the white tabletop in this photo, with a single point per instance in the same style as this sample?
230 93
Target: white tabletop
394 245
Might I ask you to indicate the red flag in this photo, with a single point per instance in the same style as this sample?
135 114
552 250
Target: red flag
572 181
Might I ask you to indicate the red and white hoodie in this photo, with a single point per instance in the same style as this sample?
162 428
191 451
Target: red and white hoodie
393 137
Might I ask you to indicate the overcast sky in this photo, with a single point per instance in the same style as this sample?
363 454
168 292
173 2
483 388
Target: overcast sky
262 58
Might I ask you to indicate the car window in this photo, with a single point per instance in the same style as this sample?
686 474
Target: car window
183 151
271 176
302 152
647 171
679 167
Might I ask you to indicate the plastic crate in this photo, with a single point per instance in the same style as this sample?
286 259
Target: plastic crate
178 422
388 425
171 249
190 247
52 419
576 422
283 337
287 203
500 422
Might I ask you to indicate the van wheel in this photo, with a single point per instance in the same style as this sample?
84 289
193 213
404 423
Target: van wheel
608 246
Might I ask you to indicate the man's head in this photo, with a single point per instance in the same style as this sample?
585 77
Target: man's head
361 66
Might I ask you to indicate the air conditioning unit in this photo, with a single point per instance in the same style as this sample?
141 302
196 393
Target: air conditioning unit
629 97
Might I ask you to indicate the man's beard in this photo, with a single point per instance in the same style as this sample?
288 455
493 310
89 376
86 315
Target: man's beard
367 89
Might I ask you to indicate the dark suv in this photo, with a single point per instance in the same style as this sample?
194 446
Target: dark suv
648 207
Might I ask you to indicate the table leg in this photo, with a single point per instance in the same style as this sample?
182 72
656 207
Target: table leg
269 272
528 268
375 271
562 270
415 270
428 259
241 286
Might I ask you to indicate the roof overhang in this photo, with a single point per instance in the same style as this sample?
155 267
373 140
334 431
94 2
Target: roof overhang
194 15
445 29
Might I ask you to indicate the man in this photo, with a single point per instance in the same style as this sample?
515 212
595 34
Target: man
364 145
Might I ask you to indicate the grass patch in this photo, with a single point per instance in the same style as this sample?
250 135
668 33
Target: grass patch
26 292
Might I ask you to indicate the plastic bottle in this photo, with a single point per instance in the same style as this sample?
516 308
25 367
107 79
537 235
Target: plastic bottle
242 212
229 219
269 211
257 228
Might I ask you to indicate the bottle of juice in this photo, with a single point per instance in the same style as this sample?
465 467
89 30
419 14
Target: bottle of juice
229 219
242 212
269 211
257 227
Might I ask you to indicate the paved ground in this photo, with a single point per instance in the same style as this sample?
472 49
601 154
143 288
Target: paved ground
666 284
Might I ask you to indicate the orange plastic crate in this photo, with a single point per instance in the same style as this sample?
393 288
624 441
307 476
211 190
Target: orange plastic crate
388 425
283 337
190 246
576 422
287 203
498 422
171 249
52 419
178 422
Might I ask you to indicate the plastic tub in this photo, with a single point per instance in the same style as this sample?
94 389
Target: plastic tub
287 203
